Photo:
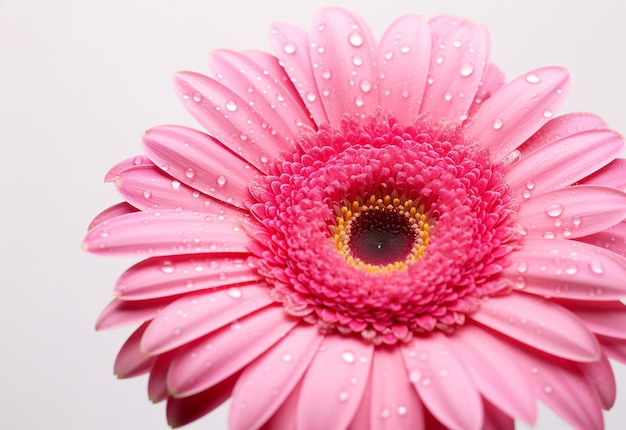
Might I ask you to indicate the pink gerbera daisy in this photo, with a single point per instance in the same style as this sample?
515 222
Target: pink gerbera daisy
372 235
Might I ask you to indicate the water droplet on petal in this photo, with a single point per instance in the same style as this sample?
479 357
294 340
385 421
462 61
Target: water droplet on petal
235 292
447 96
147 194
310 96
554 210
547 113
190 173
289 48
405 49
176 184
327 73
596 266
138 160
547 389
497 123
343 396
533 78
385 413
415 375
388 55
167 267
577 221
355 39
231 106
348 357
549 234
402 410
466 70
357 60
359 101
366 86
522 267
287 357
221 180
197 97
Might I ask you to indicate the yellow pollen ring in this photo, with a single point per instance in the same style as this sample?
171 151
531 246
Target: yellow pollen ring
350 211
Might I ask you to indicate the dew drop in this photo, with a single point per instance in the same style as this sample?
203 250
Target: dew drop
405 49
190 173
447 96
497 123
457 44
289 48
520 283
426 382
439 60
366 86
522 267
355 39
405 93
197 97
388 55
549 234
138 160
231 106
343 396
533 78
530 185
104 234
402 410
264 158
466 70
167 267
547 113
567 232
221 180
415 375
596 266
235 292
359 101
327 74
385 413
287 357
577 221
348 357
147 194
176 185
554 210
571 270
547 389
310 96
357 60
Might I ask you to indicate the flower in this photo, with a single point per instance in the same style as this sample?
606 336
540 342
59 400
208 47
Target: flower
372 236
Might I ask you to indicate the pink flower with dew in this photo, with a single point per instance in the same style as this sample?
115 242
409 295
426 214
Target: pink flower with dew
372 235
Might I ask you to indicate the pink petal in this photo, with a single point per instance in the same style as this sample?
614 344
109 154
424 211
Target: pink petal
492 82
612 239
120 313
605 318
137 161
514 113
600 376
225 351
229 118
495 419
171 275
285 417
460 53
201 162
130 361
611 175
157 383
258 78
148 188
567 269
277 372
442 382
563 162
541 324
567 212
166 233
195 315
291 45
561 386
394 401
341 50
362 417
333 385
566 125
186 410
114 211
614 348
403 58
494 373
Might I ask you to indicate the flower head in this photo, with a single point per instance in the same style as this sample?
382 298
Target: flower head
372 235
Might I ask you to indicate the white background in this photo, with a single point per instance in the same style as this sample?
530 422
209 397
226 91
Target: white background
79 83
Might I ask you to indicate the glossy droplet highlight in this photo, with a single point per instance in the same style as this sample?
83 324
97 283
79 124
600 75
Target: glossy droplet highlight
343 396
167 267
554 210
289 48
533 78
355 39
466 70
348 357
221 180
235 292
231 106
190 173
497 123
596 266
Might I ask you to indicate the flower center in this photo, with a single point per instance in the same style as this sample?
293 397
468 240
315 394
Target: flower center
381 234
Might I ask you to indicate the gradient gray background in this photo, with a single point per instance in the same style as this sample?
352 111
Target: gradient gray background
79 83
